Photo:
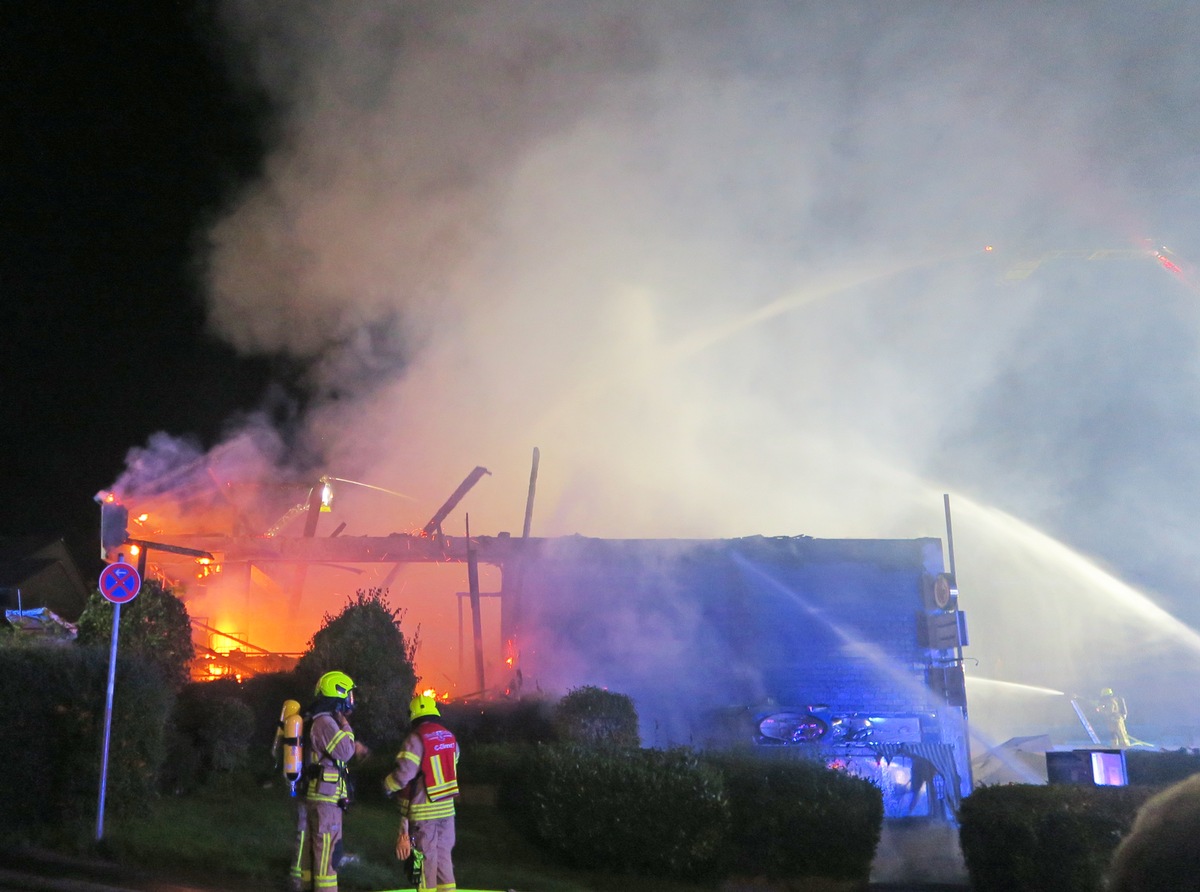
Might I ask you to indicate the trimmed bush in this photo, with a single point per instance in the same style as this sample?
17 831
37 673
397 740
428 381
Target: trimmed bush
1157 768
366 642
796 818
675 813
493 763
1054 838
53 737
212 721
526 720
592 716
622 811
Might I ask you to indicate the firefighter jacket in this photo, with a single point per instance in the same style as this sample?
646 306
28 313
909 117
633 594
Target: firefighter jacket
426 772
329 749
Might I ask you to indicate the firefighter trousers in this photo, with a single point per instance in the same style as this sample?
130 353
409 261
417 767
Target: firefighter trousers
324 844
300 874
436 840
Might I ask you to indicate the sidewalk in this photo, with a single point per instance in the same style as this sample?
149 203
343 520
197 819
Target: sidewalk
918 854
47 871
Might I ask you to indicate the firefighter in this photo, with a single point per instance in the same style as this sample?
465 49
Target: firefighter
329 746
1112 712
426 780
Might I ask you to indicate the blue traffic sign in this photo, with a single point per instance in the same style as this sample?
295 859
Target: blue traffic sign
120 583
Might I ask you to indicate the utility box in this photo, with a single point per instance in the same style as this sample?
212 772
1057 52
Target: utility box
1089 768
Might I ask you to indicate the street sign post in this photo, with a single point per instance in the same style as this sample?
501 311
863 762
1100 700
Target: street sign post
119 583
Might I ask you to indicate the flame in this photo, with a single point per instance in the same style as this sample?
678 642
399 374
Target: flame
204 505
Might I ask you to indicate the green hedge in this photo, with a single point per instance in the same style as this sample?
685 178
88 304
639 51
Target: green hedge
1159 768
53 734
676 813
796 817
526 720
620 810
1054 838
211 734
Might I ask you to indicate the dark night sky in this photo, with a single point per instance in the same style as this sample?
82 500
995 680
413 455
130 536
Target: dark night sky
122 137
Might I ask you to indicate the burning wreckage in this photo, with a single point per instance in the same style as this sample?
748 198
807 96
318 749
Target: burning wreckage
850 650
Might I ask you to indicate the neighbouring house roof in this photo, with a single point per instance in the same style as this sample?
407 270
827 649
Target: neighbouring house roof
40 572
43 622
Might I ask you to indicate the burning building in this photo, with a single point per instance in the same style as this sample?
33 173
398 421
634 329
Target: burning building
847 649
850 649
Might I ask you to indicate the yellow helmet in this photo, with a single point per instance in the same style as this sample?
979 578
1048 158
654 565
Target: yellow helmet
1107 692
337 685
422 704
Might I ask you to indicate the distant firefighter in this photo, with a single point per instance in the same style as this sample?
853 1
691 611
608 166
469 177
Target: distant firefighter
1111 713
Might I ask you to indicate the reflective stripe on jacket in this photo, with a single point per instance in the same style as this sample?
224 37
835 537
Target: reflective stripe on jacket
329 749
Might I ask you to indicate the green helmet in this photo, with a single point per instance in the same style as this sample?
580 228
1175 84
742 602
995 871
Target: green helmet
1107 692
337 685
422 704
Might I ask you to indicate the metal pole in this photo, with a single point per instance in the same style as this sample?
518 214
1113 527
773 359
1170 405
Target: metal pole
108 702
949 537
961 665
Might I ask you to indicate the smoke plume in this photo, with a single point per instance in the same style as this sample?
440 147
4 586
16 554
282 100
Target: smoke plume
725 265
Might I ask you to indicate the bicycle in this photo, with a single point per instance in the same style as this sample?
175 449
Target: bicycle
814 725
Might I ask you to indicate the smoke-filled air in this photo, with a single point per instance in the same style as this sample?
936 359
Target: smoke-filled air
773 268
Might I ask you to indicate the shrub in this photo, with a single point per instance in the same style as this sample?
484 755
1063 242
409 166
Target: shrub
493 763
621 811
1159 769
52 738
154 626
211 732
526 720
365 642
592 716
795 817
265 694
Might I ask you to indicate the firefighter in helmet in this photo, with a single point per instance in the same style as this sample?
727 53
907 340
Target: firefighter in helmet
1112 712
425 779
329 746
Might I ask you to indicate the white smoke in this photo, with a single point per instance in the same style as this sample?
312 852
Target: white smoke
724 264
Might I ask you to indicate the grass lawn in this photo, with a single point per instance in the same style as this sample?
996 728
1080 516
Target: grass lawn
243 834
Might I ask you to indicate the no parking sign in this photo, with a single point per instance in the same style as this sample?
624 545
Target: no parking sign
120 583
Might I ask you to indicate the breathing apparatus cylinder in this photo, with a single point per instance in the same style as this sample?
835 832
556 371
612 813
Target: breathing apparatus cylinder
290 707
291 725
